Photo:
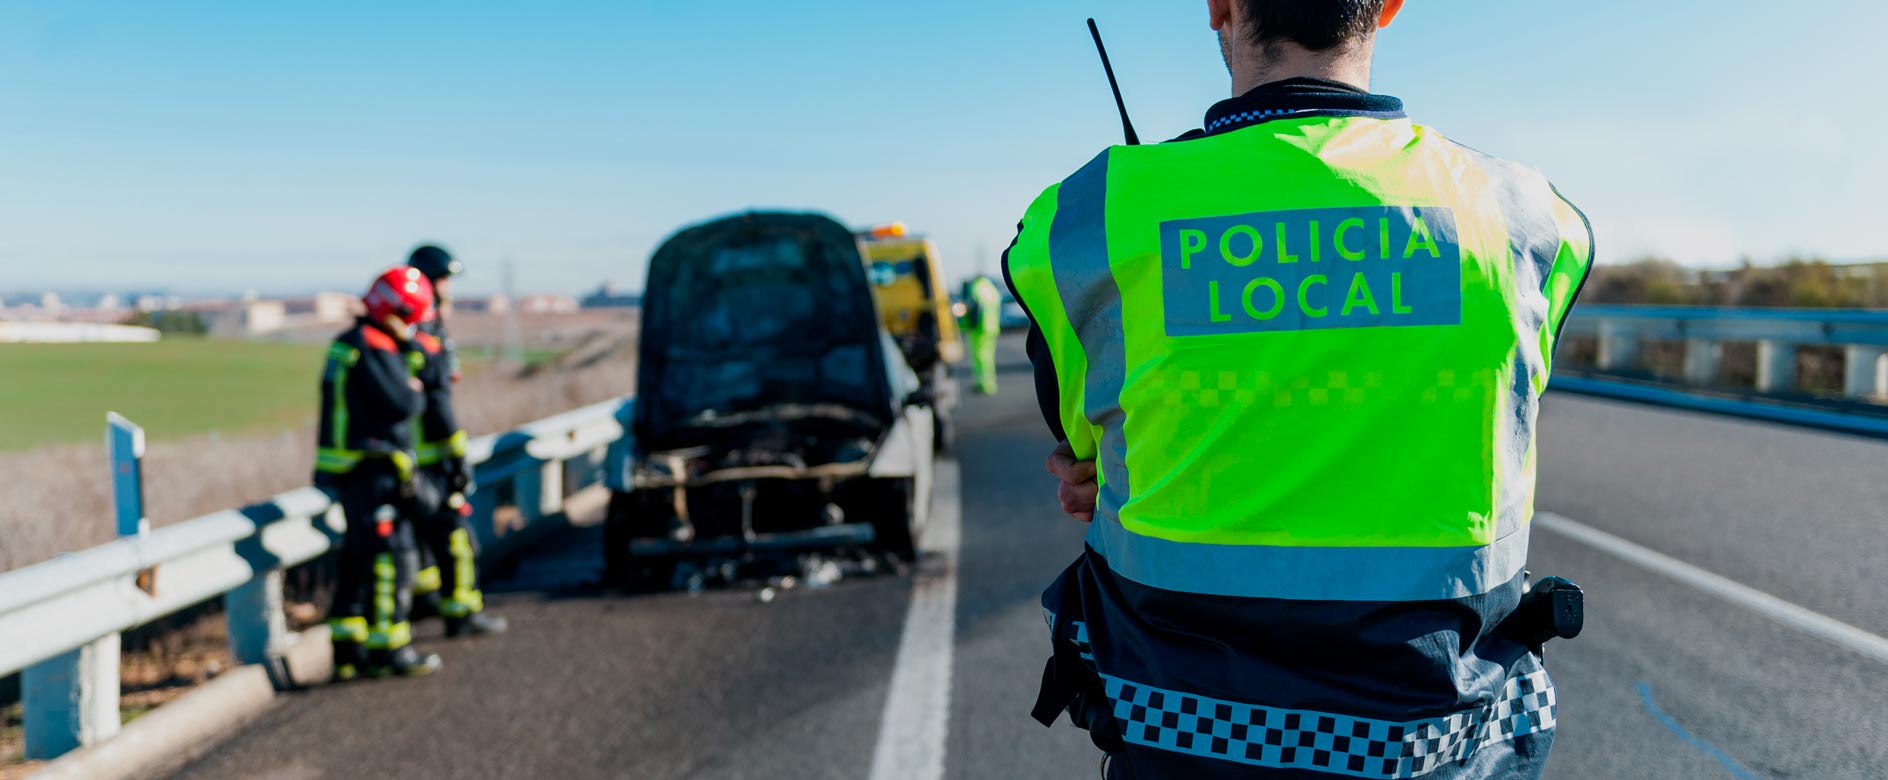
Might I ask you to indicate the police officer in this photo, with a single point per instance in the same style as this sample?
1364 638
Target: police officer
447 584
370 396
1302 349
982 324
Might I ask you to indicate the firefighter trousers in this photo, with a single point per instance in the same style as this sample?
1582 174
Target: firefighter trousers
447 551
373 587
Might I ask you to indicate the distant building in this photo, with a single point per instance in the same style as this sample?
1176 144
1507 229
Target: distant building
324 307
246 318
605 297
72 332
546 303
496 304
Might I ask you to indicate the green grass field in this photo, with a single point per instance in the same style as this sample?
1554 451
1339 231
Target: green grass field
53 393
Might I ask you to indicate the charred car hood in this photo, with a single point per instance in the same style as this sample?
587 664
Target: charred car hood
760 327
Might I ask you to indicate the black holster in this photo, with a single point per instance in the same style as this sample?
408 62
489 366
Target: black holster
1069 684
1554 608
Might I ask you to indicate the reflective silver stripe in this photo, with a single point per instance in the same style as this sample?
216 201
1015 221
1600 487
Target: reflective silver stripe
1309 573
1078 258
1534 243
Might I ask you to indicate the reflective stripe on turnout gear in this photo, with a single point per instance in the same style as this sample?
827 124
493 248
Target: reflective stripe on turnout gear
347 629
465 597
341 359
333 460
393 637
435 452
385 633
426 581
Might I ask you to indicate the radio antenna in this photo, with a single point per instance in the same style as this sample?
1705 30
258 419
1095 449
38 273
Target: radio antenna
1127 125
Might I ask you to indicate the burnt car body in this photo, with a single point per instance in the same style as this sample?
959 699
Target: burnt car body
774 415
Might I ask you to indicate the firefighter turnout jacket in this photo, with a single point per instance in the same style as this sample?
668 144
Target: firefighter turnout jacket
368 406
440 439
1306 347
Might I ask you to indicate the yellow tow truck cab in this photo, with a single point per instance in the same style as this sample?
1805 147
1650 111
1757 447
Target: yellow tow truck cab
909 286
915 306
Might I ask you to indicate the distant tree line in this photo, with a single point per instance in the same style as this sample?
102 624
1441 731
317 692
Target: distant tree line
172 321
1797 282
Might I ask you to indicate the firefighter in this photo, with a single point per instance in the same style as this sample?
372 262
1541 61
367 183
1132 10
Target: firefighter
370 397
982 322
447 583
1303 349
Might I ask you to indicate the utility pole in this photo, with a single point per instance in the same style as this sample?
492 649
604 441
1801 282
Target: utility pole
514 347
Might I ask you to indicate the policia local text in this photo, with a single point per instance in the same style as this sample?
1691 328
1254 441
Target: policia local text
1311 269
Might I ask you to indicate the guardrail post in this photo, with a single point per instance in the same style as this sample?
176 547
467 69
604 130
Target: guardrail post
1776 367
1701 361
541 490
71 700
584 469
1863 372
124 445
1619 345
258 629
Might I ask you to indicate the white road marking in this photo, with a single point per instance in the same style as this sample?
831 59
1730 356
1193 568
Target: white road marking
917 712
1757 601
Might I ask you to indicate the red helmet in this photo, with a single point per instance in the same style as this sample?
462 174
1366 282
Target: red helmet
401 293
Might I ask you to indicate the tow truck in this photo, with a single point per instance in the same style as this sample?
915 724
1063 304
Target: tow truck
916 309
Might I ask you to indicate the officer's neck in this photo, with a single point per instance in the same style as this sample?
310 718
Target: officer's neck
1348 64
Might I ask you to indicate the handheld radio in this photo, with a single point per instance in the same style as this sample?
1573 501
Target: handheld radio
1127 125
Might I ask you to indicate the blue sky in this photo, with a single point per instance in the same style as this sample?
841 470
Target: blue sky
299 145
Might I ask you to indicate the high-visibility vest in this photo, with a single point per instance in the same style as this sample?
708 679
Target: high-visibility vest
986 315
1307 357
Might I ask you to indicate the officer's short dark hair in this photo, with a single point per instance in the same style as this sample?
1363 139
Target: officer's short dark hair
1317 25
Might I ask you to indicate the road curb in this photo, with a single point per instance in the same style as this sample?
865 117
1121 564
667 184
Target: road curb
196 723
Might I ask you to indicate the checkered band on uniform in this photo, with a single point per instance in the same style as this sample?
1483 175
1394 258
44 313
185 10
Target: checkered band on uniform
1327 742
1253 116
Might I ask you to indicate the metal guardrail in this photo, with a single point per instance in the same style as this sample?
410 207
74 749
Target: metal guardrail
1622 332
60 620
1862 334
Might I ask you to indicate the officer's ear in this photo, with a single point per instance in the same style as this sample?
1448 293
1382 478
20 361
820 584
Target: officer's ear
1390 9
1219 13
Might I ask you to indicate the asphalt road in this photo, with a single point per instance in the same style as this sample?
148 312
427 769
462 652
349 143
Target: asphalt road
1669 681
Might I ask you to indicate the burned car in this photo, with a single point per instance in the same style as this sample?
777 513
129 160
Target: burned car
774 415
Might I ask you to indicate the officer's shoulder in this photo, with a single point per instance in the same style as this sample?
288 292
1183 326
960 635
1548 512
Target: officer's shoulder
1511 170
1096 166
1508 174
1100 160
